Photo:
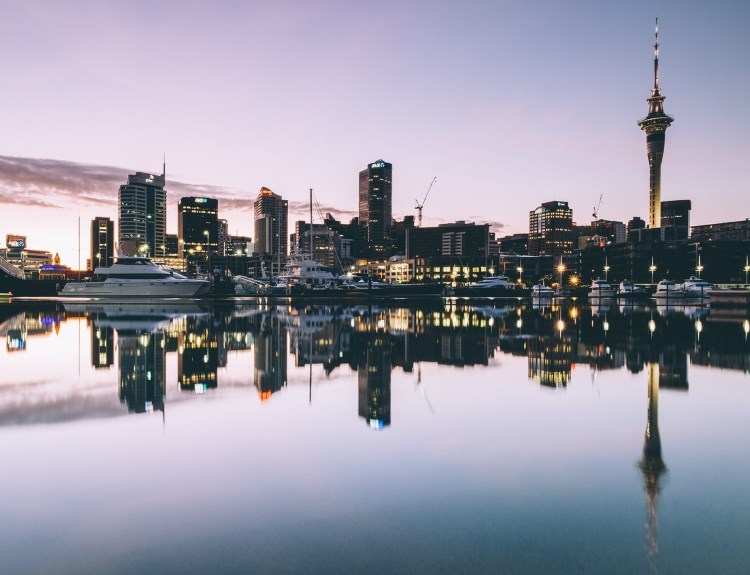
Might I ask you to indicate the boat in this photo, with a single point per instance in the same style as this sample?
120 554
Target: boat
601 289
135 276
697 288
493 286
305 273
668 290
628 290
542 291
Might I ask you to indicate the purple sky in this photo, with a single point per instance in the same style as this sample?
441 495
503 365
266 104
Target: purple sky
509 104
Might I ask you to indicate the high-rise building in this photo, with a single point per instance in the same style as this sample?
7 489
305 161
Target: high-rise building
375 208
271 224
197 226
223 235
551 229
324 242
142 218
102 242
675 219
655 125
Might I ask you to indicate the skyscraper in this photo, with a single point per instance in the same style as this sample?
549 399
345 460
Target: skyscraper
551 229
271 224
197 225
375 208
142 217
102 242
655 125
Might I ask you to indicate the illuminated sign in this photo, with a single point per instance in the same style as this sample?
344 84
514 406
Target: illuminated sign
200 200
13 241
378 165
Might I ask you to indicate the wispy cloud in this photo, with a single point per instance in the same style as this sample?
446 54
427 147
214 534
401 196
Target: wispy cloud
45 183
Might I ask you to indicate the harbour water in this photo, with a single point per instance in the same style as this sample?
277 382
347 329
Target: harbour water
262 437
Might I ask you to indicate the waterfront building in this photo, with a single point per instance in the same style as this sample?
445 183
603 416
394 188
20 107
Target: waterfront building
723 231
102 243
551 229
514 244
271 226
324 244
635 223
197 227
375 209
655 125
142 215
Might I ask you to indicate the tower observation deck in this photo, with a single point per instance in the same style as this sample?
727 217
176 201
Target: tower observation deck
655 125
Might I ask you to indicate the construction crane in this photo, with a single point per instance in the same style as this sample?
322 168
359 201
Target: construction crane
597 207
419 205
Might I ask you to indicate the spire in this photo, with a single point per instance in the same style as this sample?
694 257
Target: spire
655 91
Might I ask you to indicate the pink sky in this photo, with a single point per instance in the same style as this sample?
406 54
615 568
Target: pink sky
509 104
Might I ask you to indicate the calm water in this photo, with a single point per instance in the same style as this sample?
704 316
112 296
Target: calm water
246 437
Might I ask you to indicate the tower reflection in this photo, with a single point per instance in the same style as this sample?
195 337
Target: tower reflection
651 464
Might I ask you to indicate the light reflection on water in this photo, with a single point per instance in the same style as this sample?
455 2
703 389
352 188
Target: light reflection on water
501 437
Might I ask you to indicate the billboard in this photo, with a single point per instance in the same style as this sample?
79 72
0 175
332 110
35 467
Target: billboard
15 242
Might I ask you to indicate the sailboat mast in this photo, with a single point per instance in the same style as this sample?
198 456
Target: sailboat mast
311 228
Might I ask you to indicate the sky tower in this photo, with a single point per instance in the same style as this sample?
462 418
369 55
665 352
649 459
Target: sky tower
655 125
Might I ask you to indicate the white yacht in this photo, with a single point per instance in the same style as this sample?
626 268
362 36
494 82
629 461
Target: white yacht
133 276
628 290
542 291
493 282
697 288
306 273
601 289
667 289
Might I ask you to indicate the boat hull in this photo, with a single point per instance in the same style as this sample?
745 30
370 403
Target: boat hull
127 289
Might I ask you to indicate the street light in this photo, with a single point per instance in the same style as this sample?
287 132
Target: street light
747 268
652 269
520 274
606 269
561 269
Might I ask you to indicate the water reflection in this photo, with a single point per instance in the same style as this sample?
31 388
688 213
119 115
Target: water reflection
494 364
373 341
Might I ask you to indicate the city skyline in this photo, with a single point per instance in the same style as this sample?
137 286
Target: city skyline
499 104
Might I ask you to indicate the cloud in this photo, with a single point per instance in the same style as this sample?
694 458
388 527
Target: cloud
45 183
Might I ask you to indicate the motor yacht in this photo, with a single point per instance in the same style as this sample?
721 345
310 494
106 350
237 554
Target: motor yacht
493 282
542 291
667 289
601 289
628 290
697 288
135 276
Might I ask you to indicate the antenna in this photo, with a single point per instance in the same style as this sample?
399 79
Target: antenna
419 206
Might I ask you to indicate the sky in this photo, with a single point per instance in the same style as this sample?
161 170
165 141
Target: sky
508 103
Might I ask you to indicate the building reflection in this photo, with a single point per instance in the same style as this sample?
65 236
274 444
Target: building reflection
142 364
270 355
198 359
374 379
102 346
